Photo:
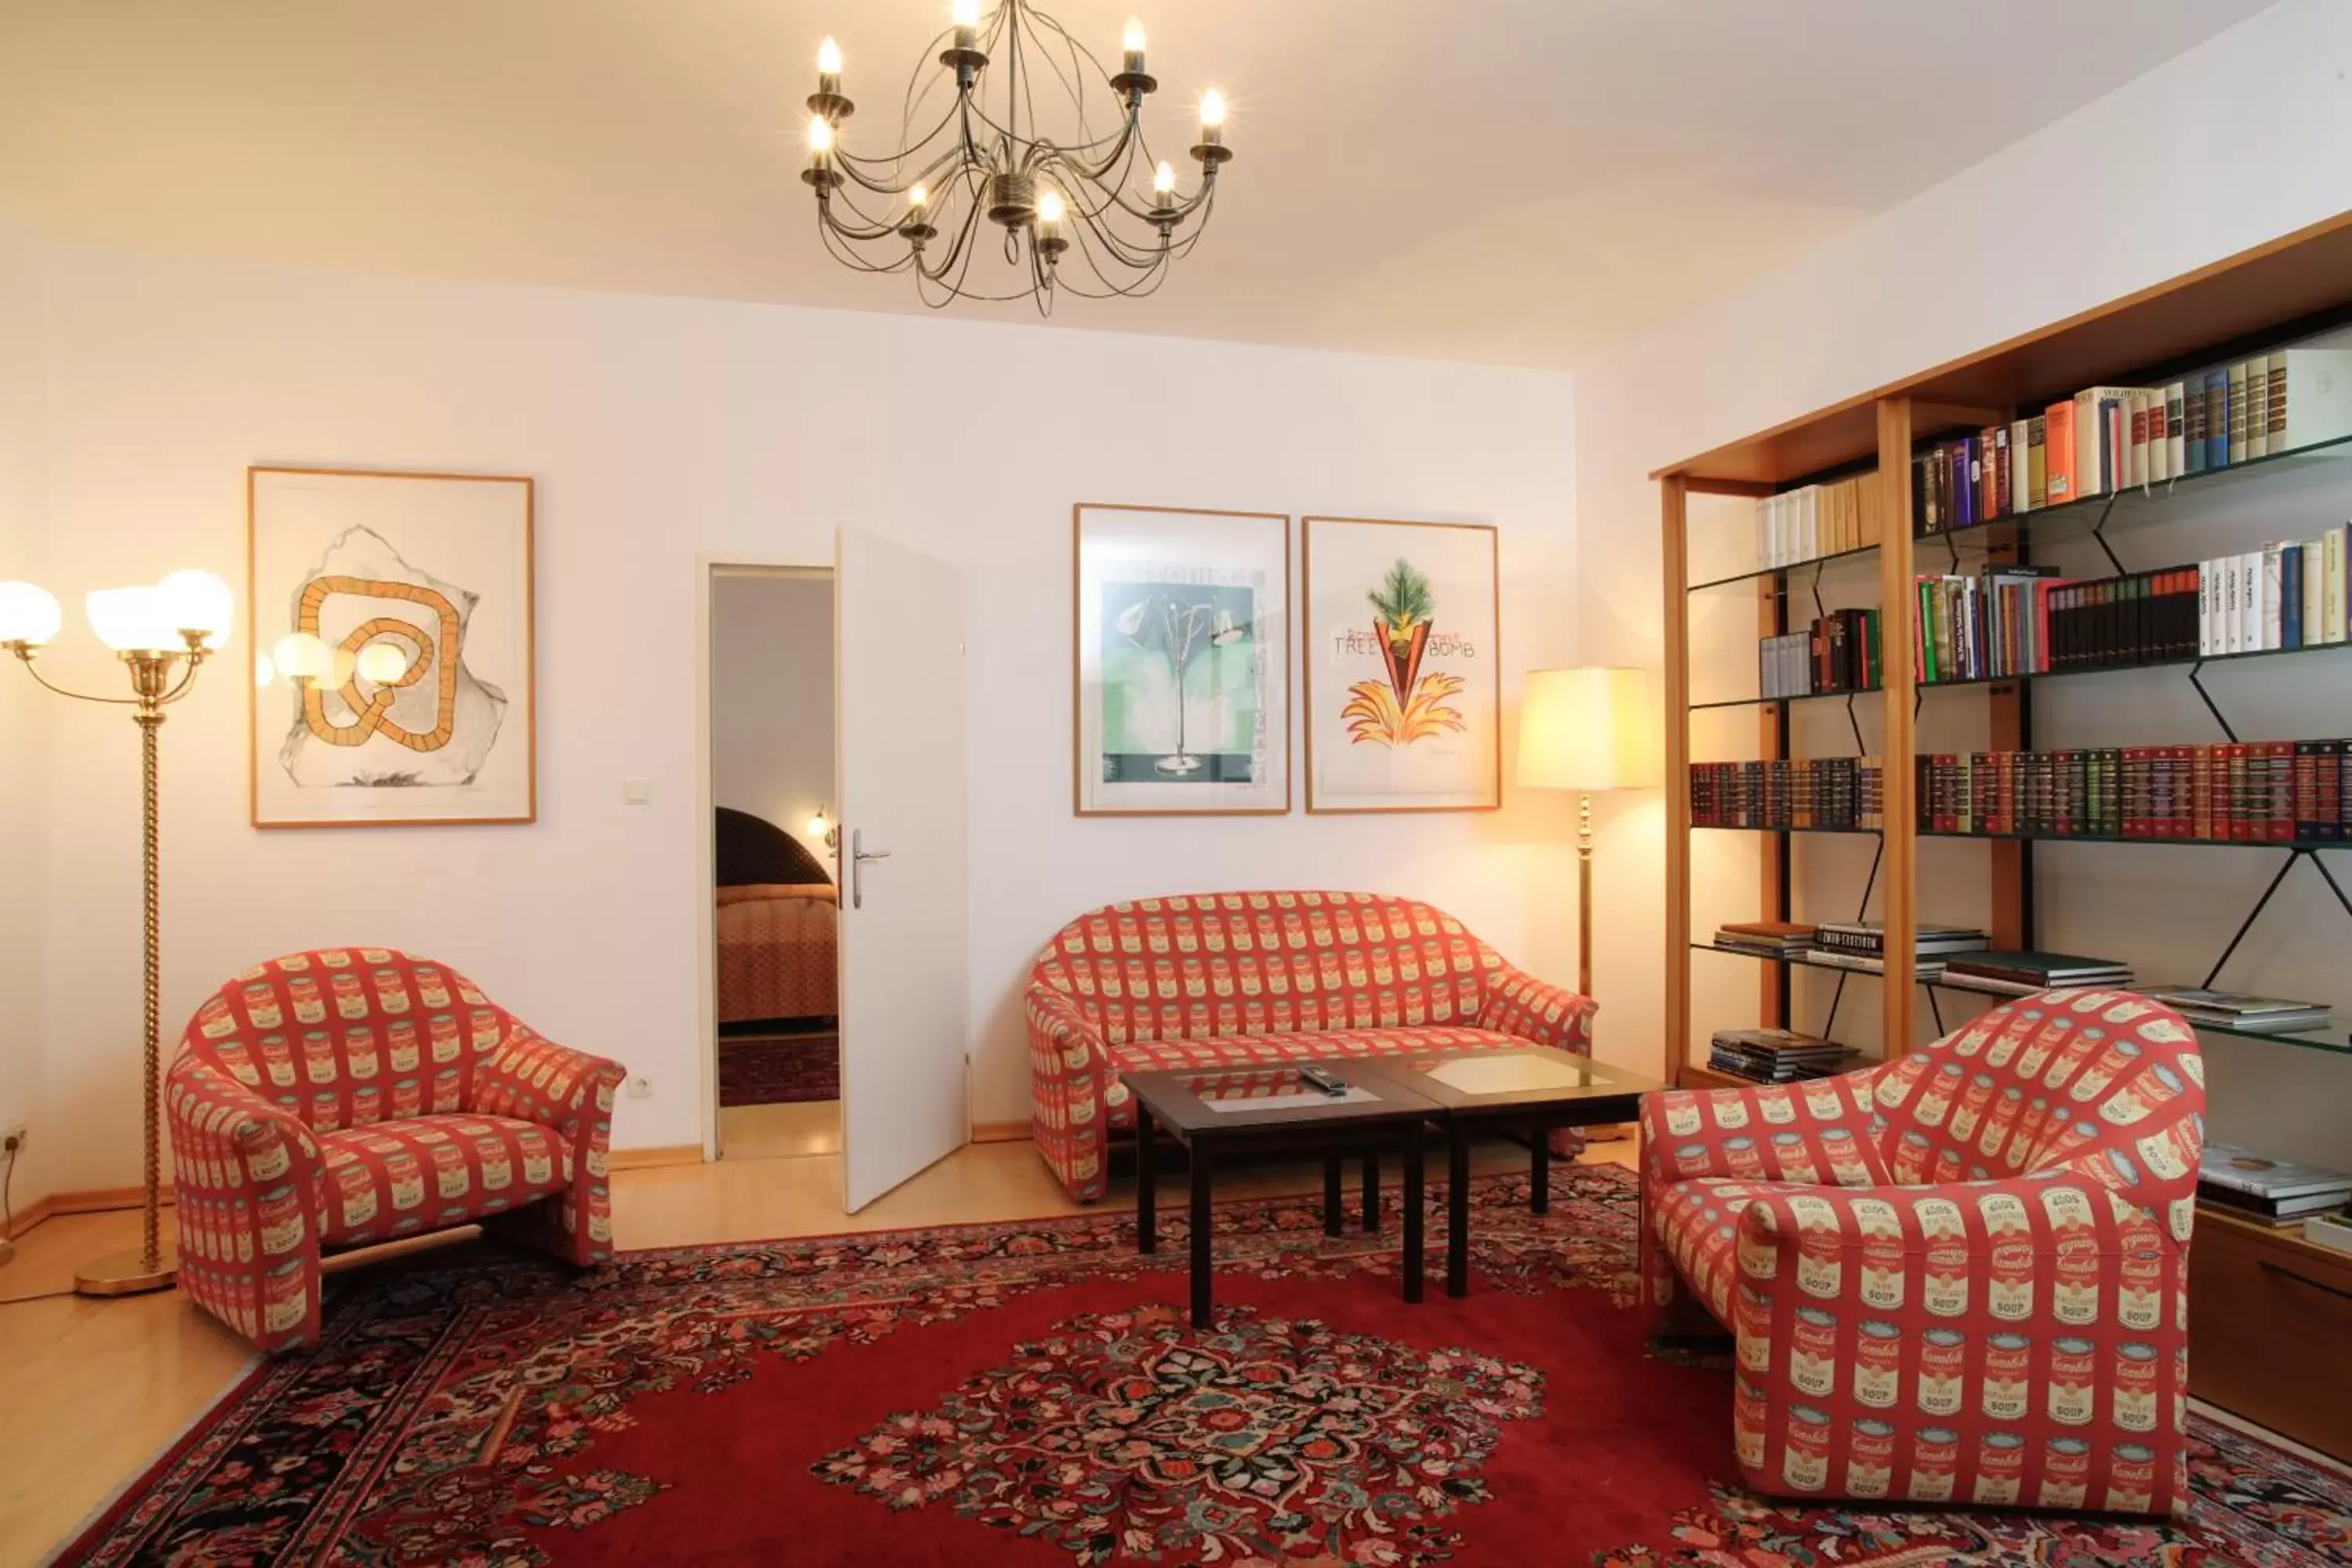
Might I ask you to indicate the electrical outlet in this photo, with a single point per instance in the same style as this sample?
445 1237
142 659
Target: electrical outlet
12 1139
640 1086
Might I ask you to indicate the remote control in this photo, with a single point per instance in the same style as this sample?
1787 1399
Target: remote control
1329 1082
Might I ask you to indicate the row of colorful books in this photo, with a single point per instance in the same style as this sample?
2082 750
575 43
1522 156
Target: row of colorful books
2260 792
1802 792
1838 653
2106 438
1816 520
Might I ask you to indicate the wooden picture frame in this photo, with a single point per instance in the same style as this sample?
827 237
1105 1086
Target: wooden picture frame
1149 672
437 570
1429 702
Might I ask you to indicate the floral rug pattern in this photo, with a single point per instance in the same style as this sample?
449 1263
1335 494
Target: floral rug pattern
1129 1433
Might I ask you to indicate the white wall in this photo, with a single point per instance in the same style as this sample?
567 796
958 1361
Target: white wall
771 699
667 432
25 710
2019 240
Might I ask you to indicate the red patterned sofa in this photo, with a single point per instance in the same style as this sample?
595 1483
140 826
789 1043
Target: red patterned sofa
1961 1276
357 1094
1242 978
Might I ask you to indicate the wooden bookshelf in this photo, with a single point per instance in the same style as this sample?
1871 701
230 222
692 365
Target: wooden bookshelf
2249 1284
2270 294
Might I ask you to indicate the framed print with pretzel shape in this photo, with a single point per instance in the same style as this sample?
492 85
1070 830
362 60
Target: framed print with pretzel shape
1403 686
392 622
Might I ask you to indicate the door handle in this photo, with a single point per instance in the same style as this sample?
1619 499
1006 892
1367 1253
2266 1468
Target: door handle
858 855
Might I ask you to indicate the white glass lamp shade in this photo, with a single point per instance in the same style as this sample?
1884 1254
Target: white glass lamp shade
132 620
1588 730
300 656
28 614
199 602
819 824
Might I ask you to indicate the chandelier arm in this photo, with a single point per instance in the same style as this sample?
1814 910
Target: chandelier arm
1146 270
1136 256
865 230
958 257
195 656
837 247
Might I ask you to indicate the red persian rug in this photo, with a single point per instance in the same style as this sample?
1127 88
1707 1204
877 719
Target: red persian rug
1031 1394
779 1069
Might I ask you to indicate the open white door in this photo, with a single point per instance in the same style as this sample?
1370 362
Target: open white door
898 622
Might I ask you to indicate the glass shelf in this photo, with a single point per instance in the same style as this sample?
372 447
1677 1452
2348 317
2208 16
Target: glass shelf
1728 827
2328 1037
2184 659
2160 842
2115 509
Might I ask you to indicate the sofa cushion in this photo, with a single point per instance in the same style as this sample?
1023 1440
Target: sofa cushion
431 1171
1257 1050
1699 1222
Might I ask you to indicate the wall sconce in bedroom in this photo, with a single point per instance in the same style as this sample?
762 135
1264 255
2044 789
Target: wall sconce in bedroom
820 825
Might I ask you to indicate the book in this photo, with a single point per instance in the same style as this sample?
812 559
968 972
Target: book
2235 452
2217 418
2232 1167
2198 1004
2310 398
2175 455
2051 969
2281 1212
2331 1231
2274 595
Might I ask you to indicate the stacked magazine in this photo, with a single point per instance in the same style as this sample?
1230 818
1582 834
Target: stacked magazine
2266 1191
1776 1056
2235 1009
2028 973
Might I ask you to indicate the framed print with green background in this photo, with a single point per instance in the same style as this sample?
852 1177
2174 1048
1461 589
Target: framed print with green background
1403 686
392 617
1182 662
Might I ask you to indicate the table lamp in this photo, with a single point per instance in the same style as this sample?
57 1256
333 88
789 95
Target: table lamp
1586 729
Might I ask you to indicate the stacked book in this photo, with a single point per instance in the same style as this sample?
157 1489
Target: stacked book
1844 792
2109 438
2257 791
2235 1009
2290 594
1815 520
1766 938
1775 1056
2268 1191
2029 973
1862 945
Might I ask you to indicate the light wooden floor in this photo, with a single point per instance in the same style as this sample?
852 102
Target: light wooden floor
91 1392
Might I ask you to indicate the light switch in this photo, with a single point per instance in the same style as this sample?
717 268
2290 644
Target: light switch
636 792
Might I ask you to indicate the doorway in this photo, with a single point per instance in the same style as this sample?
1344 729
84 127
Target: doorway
776 892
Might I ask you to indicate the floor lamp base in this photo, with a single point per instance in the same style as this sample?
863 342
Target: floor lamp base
127 1273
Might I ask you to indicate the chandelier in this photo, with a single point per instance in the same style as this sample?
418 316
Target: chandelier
1086 209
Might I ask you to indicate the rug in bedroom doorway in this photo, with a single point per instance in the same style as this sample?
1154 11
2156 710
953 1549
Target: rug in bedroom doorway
779 1069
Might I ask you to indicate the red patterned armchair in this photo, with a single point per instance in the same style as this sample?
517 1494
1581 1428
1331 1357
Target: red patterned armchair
356 1096
1961 1276
1244 979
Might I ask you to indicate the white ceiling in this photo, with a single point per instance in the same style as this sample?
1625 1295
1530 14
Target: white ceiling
1507 181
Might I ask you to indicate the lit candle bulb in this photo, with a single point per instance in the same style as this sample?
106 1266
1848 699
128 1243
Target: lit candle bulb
919 200
1213 118
829 66
1163 185
1049 215
967 22
1133 44
820 142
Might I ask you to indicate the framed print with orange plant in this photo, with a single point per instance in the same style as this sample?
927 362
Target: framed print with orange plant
1403 686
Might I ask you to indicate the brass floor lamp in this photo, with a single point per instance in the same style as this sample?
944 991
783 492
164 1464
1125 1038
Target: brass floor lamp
163 634
1586 729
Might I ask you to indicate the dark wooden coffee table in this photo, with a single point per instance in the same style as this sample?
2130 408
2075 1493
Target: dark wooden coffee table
1214 1112
1486 1093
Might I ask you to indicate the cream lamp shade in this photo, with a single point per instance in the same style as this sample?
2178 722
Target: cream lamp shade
1588 730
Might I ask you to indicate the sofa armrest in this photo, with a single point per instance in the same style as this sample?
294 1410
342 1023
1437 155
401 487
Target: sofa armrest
532 1079
1516 1003
1072 1087
247 1179
1822 1131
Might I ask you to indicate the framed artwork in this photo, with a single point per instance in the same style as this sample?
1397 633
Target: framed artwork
1181 662
392 623
1404 684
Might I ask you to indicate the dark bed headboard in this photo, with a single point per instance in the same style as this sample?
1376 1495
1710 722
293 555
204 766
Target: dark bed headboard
751 849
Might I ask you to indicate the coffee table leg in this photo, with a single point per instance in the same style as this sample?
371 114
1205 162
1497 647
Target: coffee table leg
1201 1222
1372 1189
1147 1184
1457 1209
1333 1218
1539 1194
1413 1241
